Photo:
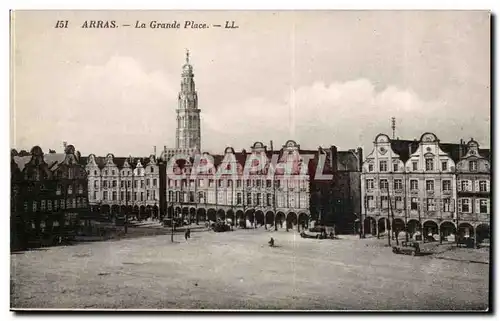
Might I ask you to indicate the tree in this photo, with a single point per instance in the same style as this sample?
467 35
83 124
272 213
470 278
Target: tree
51 151
24 153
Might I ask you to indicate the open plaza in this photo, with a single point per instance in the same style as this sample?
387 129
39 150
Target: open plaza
238 270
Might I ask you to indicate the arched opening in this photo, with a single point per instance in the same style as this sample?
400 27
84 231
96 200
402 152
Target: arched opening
280 219
192 215
399 230
303 221
414 229
201 215
249 218
185 214
135 212
370 226
155 211
430 231
230 217
291 220
259 218
383 225
269 218
142 212
465 230
448 231
105 209
123 208
482 233
240 218
221 215
115 209
212 215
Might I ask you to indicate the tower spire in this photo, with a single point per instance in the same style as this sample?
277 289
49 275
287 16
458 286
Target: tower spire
187 56
393 126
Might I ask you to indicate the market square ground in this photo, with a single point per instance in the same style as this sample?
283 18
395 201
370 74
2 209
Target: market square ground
238 270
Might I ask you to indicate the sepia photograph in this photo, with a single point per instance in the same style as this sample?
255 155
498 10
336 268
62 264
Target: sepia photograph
288 160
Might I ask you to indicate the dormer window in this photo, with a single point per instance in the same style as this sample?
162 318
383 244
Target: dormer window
429 164
472 166
370 167
383 166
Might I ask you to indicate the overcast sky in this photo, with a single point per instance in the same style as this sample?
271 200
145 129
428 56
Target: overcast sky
321 78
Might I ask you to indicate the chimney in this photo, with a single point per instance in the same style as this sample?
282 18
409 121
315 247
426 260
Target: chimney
460 149
333 158
360 158
154 150
271 145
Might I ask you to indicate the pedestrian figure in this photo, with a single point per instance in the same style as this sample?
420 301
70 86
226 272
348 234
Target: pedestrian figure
271 242
187 234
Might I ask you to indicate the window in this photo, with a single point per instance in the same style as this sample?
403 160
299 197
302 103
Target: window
106 172
238 198
385 201
370 167
142 196
465 185
95 195
414 203
472 166
429 164
398 184
429 185
112 172
483 206
105 195
268 199
269 183
465 205
142 183
370 201
384 184
114 196
58 190
42 205
128 196
258 199
122 196
147 182
49 205
444 166
446 205
96 184
135 184
482 186
135 196
238 183
431 206
122 184
200 182
249 183
383 166
70 189
399 202
230 183
249 198
370 183
395 167
128 184
115 183
154 195
95 173
414 166
257 182
446 185
220 183
210 183
105 184
154 182
152 169
148 195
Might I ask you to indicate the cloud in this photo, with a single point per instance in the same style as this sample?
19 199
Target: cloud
346 114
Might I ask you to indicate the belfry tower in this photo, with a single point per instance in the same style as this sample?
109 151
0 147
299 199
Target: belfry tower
188 134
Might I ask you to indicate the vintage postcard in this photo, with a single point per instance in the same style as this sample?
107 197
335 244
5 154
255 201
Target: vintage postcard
250 160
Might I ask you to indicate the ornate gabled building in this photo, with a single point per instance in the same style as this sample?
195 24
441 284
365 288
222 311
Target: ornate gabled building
50 196
266 186
123 185
412 185
473 192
